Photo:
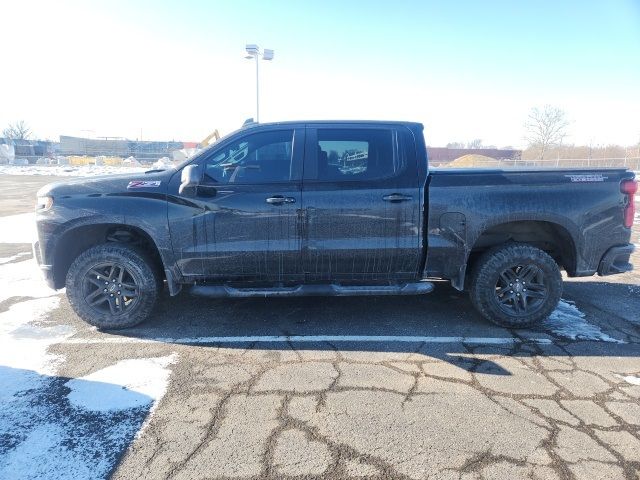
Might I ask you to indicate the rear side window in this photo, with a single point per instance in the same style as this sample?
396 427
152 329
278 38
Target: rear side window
355 154
256 158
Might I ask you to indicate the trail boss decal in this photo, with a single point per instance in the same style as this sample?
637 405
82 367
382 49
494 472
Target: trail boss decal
592 177
144 184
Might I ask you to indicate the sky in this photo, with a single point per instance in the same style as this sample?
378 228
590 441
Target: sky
467 69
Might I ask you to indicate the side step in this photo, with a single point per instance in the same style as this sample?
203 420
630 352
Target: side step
331 290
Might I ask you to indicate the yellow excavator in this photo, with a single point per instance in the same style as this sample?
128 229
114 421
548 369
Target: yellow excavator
215 135
184 153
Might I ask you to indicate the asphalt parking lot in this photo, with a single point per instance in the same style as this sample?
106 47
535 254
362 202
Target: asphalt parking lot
372 387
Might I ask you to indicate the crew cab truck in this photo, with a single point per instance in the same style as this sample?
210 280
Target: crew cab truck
330 208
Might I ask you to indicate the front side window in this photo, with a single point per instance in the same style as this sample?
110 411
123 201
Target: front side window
355 154
257 158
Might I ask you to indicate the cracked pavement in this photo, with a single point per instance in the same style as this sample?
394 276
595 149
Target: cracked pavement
558 408
388 410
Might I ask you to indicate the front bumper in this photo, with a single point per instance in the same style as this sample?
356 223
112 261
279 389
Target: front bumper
47 270
616 260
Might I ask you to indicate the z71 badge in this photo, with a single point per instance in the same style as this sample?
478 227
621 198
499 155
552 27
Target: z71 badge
144 184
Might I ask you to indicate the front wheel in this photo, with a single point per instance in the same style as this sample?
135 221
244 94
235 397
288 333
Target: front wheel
516 285
112 286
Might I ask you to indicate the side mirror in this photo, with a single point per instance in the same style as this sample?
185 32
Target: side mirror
190 178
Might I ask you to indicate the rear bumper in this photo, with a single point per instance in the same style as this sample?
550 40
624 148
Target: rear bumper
616 260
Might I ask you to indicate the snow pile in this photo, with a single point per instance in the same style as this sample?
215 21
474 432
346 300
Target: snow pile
127 384
69 170
567 321
7 153
183 154
163 163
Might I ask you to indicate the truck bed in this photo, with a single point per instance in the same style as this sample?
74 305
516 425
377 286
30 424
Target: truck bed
575 213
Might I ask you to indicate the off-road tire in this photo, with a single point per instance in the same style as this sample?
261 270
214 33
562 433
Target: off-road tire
487 283
140 271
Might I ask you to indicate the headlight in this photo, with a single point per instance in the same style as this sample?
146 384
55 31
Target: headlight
44 203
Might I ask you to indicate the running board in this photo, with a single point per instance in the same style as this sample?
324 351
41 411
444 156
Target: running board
221 291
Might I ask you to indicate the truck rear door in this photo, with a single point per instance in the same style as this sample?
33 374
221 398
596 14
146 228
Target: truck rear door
361 199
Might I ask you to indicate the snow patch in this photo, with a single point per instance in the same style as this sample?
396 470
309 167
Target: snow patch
567 321
40 455
23 279
52 427
47 434
19 228
127 384
630 379
10 259
23 346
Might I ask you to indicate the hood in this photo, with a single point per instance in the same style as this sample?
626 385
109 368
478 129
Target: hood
150 181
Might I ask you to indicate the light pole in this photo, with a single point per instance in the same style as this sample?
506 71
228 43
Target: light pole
253 51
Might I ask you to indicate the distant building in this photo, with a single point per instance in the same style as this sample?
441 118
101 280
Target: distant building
141 150
93 147
30 148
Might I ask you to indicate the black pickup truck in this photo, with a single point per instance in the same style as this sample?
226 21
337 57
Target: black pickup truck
330 208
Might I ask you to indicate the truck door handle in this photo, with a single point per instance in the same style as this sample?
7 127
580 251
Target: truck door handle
396 197
279 200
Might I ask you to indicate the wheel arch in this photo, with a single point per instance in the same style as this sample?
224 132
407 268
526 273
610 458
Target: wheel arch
80 238
549 236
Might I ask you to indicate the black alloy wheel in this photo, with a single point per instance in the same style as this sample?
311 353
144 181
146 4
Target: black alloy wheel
110 288
521 289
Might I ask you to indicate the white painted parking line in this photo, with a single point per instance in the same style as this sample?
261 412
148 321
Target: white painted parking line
312 339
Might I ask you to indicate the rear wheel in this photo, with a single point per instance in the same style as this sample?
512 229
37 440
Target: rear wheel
516 285
112 286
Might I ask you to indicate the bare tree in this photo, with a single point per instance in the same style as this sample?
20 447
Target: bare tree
455 145
17 131
474 144
546 128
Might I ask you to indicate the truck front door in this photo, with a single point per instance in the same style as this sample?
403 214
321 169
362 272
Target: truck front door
362 204
243 220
